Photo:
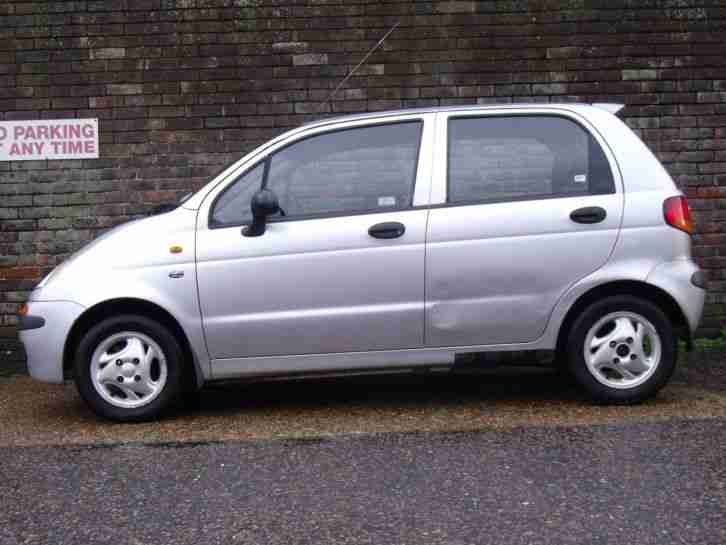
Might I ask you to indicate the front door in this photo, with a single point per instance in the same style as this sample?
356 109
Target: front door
530 208
325 277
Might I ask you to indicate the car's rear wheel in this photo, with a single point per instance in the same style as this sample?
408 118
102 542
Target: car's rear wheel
129 368
622 350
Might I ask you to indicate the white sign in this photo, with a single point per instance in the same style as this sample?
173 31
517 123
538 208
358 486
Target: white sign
48 139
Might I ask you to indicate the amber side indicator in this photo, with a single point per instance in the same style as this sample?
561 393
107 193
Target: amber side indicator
23 310
677 214
176 249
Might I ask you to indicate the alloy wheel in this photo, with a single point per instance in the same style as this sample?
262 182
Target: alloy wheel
622 350
128 369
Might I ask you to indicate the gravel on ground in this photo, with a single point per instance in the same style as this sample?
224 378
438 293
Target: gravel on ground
36 414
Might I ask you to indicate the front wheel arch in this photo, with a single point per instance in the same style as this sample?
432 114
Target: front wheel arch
635 288
192 374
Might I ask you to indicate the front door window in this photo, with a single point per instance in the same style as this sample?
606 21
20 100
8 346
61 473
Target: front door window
366 169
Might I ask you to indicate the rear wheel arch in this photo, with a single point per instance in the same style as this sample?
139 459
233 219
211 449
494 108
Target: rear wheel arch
634 288
115 307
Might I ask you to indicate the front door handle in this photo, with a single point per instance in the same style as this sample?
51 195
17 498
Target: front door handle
387 229
589 214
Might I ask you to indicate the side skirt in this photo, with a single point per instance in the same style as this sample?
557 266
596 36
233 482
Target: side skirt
372 361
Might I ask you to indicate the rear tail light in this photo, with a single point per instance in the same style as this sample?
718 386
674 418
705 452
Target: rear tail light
677 214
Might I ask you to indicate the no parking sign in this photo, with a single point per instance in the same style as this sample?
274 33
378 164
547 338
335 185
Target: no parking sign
48 139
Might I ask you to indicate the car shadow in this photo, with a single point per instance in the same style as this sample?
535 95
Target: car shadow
387 391
536 388
520 382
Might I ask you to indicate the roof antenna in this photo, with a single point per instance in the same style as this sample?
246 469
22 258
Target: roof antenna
363 60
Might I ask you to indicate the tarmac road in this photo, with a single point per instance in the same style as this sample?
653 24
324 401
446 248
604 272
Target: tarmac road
410 461
657 483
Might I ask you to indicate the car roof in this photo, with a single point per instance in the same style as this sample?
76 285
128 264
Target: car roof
572 106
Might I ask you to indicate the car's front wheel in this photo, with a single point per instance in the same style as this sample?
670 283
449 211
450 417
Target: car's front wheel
622 350
129 368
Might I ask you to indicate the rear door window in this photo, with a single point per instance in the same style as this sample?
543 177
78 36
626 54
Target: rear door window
500 158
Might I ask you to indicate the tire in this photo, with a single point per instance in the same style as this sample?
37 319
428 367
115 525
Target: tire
129 368
643 366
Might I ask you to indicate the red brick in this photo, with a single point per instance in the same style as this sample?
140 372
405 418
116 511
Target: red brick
182 88
20 273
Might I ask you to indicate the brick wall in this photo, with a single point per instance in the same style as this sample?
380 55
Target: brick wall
182 87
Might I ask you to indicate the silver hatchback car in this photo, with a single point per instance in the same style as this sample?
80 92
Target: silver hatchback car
387 241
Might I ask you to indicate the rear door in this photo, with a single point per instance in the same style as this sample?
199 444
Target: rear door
528 205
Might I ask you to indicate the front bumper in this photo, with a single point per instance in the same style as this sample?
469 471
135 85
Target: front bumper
43 333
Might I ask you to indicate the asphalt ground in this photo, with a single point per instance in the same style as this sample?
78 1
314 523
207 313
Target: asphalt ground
508 456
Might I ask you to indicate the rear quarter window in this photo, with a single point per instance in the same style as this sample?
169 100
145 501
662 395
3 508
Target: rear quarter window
497 158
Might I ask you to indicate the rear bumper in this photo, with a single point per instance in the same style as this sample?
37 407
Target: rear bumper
685 282
43 333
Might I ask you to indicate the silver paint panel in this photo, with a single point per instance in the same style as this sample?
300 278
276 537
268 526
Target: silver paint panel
44 346
313 286
316 285
133 261
675 278
494 272
313 363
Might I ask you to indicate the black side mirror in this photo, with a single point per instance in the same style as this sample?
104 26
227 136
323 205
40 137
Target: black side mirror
264 203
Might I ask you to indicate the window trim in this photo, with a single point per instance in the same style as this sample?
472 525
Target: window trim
521 198
421 121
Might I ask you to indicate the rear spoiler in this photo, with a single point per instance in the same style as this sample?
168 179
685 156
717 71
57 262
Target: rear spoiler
609 107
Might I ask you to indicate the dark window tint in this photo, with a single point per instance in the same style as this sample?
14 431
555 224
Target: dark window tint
353 170
500 158
233 206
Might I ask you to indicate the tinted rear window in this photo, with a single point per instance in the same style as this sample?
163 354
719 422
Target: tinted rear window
520 157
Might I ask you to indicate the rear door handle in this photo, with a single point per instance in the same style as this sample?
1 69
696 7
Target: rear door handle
387 229
589 214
